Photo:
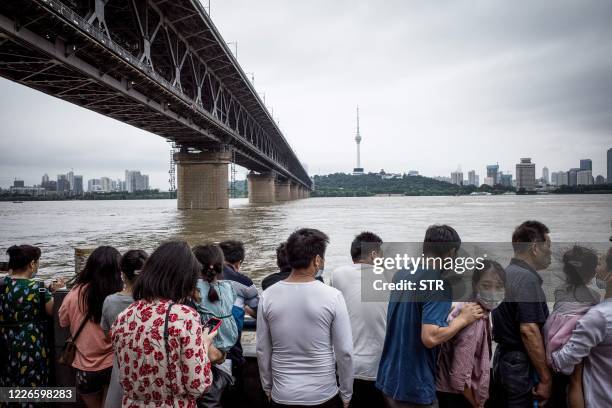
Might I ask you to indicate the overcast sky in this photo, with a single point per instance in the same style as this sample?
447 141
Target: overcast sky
440 85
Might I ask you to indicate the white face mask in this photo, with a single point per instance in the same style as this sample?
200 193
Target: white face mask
601 284
490 299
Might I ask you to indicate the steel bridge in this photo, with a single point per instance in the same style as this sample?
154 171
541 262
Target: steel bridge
161 66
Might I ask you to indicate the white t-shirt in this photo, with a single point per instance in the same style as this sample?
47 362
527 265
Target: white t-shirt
303 331
368 319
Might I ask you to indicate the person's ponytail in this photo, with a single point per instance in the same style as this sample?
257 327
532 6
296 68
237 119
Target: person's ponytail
211 258
209 275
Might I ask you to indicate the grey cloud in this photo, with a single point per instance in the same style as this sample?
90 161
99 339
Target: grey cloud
441 84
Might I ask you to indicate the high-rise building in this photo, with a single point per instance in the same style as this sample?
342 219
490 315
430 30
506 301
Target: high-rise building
545 175
105 184
492 171
18 183
457 178
584 178
70 177
555 177
45 180
358 169
134 181
562 178
572 177
505 179
472 178
63 185
525 174
586 164
77 187
610 166
94 185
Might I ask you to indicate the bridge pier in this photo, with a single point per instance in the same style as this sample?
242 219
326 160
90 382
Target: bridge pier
202 180
262 188
293 191
283 190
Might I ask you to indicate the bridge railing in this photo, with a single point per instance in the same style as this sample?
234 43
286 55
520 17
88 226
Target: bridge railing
99 35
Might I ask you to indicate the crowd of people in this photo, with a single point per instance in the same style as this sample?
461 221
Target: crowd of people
141 327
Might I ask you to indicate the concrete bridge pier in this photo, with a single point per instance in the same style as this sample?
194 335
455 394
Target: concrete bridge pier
262 188
293 192
283 190
202 180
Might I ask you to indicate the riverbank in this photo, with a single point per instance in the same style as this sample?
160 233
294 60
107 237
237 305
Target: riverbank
375 184
89 196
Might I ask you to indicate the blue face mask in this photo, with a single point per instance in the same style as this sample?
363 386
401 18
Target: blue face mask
319 273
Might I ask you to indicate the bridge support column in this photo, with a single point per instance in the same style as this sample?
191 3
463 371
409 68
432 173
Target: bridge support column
293 192
202 180
261 188
283 191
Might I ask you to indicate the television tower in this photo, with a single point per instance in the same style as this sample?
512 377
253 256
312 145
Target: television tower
358 169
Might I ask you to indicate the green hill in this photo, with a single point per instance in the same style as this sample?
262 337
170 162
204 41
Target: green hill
348 185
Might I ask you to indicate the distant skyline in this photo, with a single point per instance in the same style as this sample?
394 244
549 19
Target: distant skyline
439 86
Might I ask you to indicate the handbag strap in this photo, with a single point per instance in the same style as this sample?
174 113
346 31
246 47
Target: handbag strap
80 329
167 345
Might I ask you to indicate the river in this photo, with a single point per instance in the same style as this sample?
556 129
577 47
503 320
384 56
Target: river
57 227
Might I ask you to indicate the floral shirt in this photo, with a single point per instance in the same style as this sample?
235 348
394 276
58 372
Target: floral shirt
150 377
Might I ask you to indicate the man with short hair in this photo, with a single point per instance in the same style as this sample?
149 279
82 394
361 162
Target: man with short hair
284 269
368 319
417 325
520 373
304 343
247 299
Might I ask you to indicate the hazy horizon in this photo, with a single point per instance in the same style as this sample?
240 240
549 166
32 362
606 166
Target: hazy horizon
440 86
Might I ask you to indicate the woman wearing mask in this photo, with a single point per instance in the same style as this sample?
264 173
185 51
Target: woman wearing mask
82 312
131 264
24 306
216 301
465 361
591 341
573 299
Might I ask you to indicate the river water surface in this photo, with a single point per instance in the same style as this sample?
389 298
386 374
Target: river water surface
60 226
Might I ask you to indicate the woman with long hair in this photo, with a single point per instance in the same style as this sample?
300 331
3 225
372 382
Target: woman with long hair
216 301
163 353
131 265
81 310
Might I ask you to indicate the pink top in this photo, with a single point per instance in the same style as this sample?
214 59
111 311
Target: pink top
94 350
464 361
151 376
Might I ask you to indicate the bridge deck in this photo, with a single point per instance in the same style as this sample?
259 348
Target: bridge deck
160 66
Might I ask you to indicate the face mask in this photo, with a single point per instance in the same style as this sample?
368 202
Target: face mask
490 299
601 284
319 273
34 274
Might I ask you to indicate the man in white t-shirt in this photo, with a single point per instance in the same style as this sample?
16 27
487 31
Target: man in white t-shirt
368 319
